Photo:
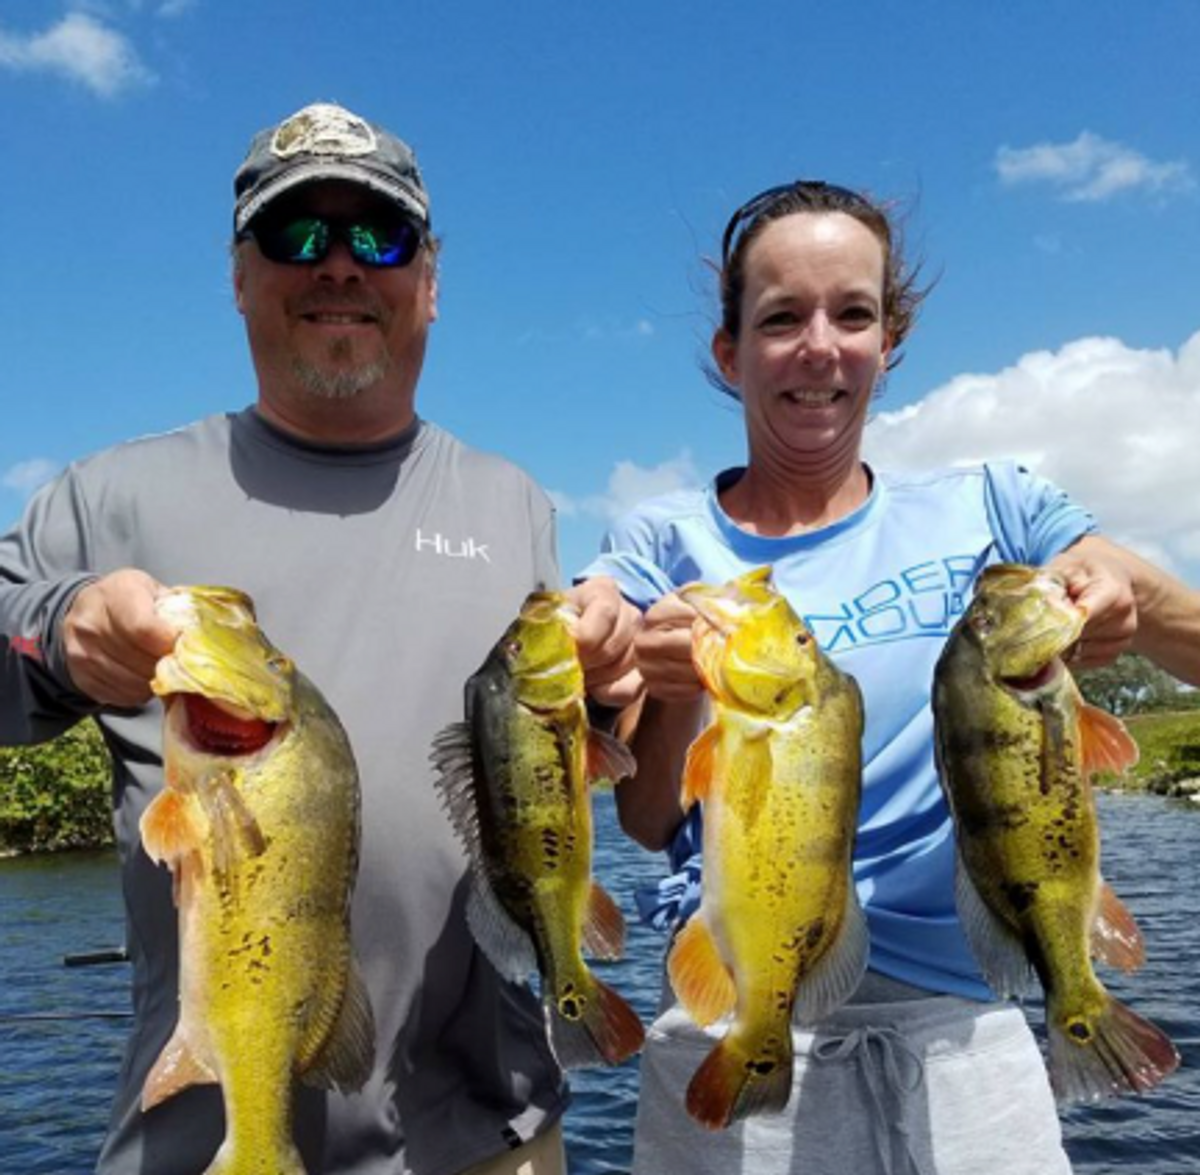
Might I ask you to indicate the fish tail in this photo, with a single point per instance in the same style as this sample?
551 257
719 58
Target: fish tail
1113 1053
735 1081
591 1024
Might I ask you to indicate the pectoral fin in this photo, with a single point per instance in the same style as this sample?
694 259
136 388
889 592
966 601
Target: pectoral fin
608 758
1107 745
169 829
699 766
236 835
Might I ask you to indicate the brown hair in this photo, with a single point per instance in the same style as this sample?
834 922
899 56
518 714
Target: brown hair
902 294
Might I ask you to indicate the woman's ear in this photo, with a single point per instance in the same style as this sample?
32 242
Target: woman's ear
724 353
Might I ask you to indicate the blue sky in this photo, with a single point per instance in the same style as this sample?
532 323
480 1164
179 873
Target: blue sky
582 160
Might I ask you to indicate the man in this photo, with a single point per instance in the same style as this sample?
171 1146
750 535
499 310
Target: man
385 557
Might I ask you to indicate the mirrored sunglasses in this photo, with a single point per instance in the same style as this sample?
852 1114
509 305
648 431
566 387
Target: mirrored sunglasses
379 242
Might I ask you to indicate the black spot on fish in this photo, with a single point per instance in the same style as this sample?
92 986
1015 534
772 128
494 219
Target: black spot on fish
763 1068
1021 895
1079 1030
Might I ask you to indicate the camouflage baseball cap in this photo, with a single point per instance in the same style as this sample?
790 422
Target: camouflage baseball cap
327 142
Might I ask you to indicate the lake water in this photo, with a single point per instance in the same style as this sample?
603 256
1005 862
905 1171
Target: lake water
61 1028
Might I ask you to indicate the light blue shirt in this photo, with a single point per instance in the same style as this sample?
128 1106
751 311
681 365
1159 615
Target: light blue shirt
880 590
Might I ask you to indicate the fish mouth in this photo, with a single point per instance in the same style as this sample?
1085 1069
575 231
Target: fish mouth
1032 683
219 728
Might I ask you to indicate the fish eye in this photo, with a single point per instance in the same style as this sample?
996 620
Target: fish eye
983 623
802 639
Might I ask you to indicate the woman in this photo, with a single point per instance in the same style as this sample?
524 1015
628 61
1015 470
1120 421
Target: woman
922 1071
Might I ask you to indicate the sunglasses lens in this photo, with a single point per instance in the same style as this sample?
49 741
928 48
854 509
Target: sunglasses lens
303 240
383 244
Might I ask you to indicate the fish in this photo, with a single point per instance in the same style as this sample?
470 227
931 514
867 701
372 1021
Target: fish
779 937
515 778
1017 747
258 822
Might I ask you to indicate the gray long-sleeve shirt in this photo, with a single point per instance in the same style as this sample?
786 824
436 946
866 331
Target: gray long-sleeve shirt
386 574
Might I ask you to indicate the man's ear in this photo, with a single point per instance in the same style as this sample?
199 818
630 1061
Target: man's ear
238 282
432 294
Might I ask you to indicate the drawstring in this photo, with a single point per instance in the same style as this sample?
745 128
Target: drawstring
891 1069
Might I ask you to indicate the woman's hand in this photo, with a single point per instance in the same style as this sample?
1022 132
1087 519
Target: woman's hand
663 649
604 638
1101 582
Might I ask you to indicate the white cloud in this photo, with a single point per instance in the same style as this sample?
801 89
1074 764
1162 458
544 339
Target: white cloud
81 48
27 476
1090 169
629 484
1118 428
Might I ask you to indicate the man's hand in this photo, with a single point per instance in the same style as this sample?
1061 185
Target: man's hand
1101 582
113 638
664 651
604 636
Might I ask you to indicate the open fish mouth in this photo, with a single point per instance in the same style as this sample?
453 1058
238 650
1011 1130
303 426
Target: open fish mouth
214 728
1030 683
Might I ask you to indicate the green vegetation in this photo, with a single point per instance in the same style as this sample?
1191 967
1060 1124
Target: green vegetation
1134 685
1170 747
57 795
1162 716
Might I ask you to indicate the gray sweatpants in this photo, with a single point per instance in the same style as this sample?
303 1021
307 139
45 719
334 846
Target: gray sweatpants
907 1086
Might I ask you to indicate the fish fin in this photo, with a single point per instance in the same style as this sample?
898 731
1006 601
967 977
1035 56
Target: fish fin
507 946
178 1067
732 1083
168 828
1116 1053
756 777
1116 939
839 971
997 948
345 1060
699 766
1107 745
599 1028
608 758
699 975
454 763
236 835
603 926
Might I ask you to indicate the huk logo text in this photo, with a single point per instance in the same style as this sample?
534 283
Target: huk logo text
466 548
